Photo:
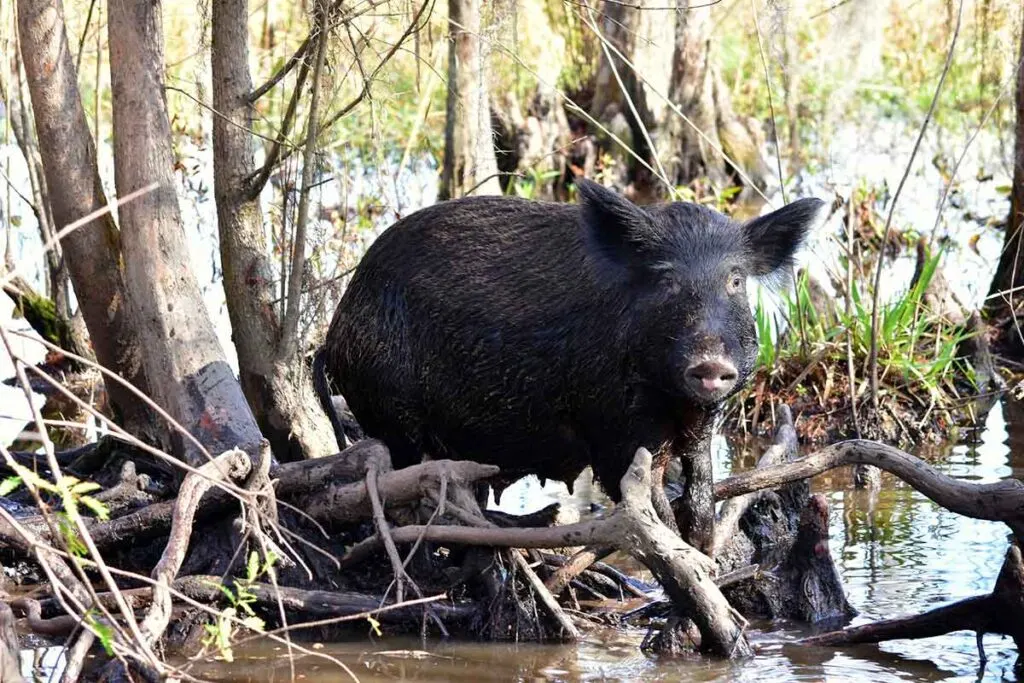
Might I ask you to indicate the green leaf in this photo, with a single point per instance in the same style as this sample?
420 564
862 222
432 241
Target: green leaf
253 623
70 535
253 567
99 509
8 485
106 637
375 625
85 487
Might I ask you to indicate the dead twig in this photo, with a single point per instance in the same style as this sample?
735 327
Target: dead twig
233 465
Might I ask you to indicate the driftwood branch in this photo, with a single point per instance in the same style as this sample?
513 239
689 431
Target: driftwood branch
1001 501
1002 612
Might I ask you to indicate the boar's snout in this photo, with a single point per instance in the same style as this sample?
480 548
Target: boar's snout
711 378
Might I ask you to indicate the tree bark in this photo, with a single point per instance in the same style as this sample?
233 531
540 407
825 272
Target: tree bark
93 251
1010 271
620 100
697 92
278 388
469 163
184 363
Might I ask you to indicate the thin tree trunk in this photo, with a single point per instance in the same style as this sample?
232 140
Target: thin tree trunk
469 162
74 336
69 164
188 374
278 389
688 155
1010 271
620 100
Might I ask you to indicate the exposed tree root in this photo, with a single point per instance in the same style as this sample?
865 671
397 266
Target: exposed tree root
783 448
1002 612
771 547
233 465
633 527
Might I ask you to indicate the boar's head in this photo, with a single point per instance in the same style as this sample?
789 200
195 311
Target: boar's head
678 275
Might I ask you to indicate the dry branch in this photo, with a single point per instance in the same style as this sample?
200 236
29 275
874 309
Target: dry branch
575 566
233 465
569 630
351 502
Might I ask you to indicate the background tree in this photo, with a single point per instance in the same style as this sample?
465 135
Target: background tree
270 364
68 155
185 366
469 165
1009 275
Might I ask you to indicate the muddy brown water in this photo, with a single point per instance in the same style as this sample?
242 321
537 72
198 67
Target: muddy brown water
898 553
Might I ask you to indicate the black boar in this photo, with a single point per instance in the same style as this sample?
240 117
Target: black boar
544 337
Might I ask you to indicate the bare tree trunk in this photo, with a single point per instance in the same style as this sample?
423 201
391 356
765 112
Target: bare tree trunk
21 124
698 94
469 162
620 101
183 359
278 388
73 184
1010 271
73 335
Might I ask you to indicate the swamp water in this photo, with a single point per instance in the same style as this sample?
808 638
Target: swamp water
897 552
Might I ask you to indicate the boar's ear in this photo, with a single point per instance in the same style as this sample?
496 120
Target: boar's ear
612 224
774 239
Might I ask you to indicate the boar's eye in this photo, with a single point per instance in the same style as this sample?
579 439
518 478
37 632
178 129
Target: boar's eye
734 285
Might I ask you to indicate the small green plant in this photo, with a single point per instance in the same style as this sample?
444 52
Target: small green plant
919 363
241 599
72 492
526 187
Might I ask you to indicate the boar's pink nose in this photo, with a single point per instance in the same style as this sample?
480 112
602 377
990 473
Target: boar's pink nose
711 378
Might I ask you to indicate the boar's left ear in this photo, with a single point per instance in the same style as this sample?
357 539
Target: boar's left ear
774 239
613 225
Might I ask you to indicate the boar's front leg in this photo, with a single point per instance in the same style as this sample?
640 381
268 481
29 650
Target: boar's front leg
695 509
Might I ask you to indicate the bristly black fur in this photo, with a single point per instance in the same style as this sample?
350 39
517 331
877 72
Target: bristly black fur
547 337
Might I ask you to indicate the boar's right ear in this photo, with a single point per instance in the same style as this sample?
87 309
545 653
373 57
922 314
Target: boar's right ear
773 239
614 226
